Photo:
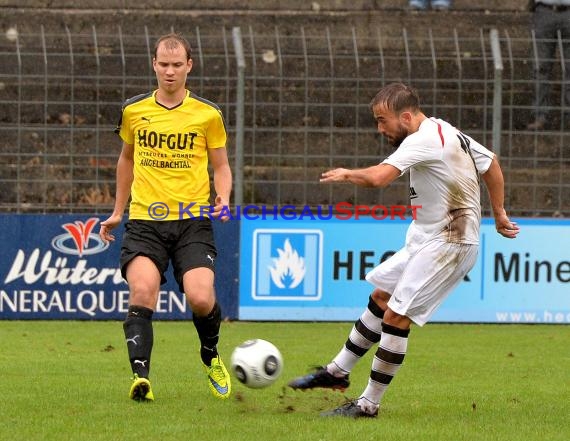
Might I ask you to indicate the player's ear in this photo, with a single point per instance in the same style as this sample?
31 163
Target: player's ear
405 118
189 65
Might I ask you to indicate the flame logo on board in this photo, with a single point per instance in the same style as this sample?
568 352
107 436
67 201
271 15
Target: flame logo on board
79 239
288 269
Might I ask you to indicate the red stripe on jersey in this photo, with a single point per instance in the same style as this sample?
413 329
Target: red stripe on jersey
440 134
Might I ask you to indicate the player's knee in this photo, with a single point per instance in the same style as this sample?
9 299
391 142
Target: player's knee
201 303
142 295
380 297
396 320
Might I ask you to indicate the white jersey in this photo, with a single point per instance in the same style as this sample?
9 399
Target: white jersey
444 167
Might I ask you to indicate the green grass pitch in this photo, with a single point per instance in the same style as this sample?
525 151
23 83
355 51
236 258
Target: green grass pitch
67 380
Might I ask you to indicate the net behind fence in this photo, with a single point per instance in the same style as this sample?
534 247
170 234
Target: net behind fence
306 107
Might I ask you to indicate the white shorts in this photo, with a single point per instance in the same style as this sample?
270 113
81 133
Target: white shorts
420 282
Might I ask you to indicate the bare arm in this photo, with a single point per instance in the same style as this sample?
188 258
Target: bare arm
222 180
125 166
380 175
495 184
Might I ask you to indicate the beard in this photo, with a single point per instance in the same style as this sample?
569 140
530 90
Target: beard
399 137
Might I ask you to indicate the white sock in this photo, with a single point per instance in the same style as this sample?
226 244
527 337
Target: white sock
364 334
387 361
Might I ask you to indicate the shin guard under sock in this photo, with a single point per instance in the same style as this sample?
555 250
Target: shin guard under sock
208 328
139 338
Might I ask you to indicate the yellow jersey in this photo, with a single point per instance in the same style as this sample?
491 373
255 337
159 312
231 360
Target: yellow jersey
171 179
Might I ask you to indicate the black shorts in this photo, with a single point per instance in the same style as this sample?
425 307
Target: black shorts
187 243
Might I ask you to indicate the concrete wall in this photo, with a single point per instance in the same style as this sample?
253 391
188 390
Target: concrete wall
342 15
264 5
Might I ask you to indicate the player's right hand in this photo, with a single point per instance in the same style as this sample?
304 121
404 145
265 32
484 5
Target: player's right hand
505 227
106 226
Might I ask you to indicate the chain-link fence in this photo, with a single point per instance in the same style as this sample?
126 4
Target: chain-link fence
305 102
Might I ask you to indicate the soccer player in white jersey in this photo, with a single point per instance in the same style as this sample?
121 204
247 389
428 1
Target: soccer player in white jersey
441 243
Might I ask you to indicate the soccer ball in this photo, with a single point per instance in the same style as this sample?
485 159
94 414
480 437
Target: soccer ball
257 363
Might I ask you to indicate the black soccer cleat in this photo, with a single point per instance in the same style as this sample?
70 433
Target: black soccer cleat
320 378
350 410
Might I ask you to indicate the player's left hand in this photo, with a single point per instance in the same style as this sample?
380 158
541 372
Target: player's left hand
336 175
505 227
221 209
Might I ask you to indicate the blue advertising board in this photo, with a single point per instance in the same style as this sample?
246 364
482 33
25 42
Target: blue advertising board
57 267
315 270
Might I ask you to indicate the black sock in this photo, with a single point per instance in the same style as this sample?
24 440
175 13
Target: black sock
139 337
208 332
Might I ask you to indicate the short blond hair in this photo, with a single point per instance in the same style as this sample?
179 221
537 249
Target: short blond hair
172 41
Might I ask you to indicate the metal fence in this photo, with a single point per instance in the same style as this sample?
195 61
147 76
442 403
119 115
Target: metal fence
294 105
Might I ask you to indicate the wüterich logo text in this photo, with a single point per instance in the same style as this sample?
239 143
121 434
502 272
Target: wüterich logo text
341 211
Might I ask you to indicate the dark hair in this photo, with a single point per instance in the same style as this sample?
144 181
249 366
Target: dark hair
172 41
397 97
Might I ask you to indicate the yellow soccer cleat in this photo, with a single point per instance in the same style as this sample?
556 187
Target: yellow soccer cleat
141 390
218 379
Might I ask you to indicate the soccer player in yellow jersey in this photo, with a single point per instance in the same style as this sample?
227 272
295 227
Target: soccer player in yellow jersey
169 137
